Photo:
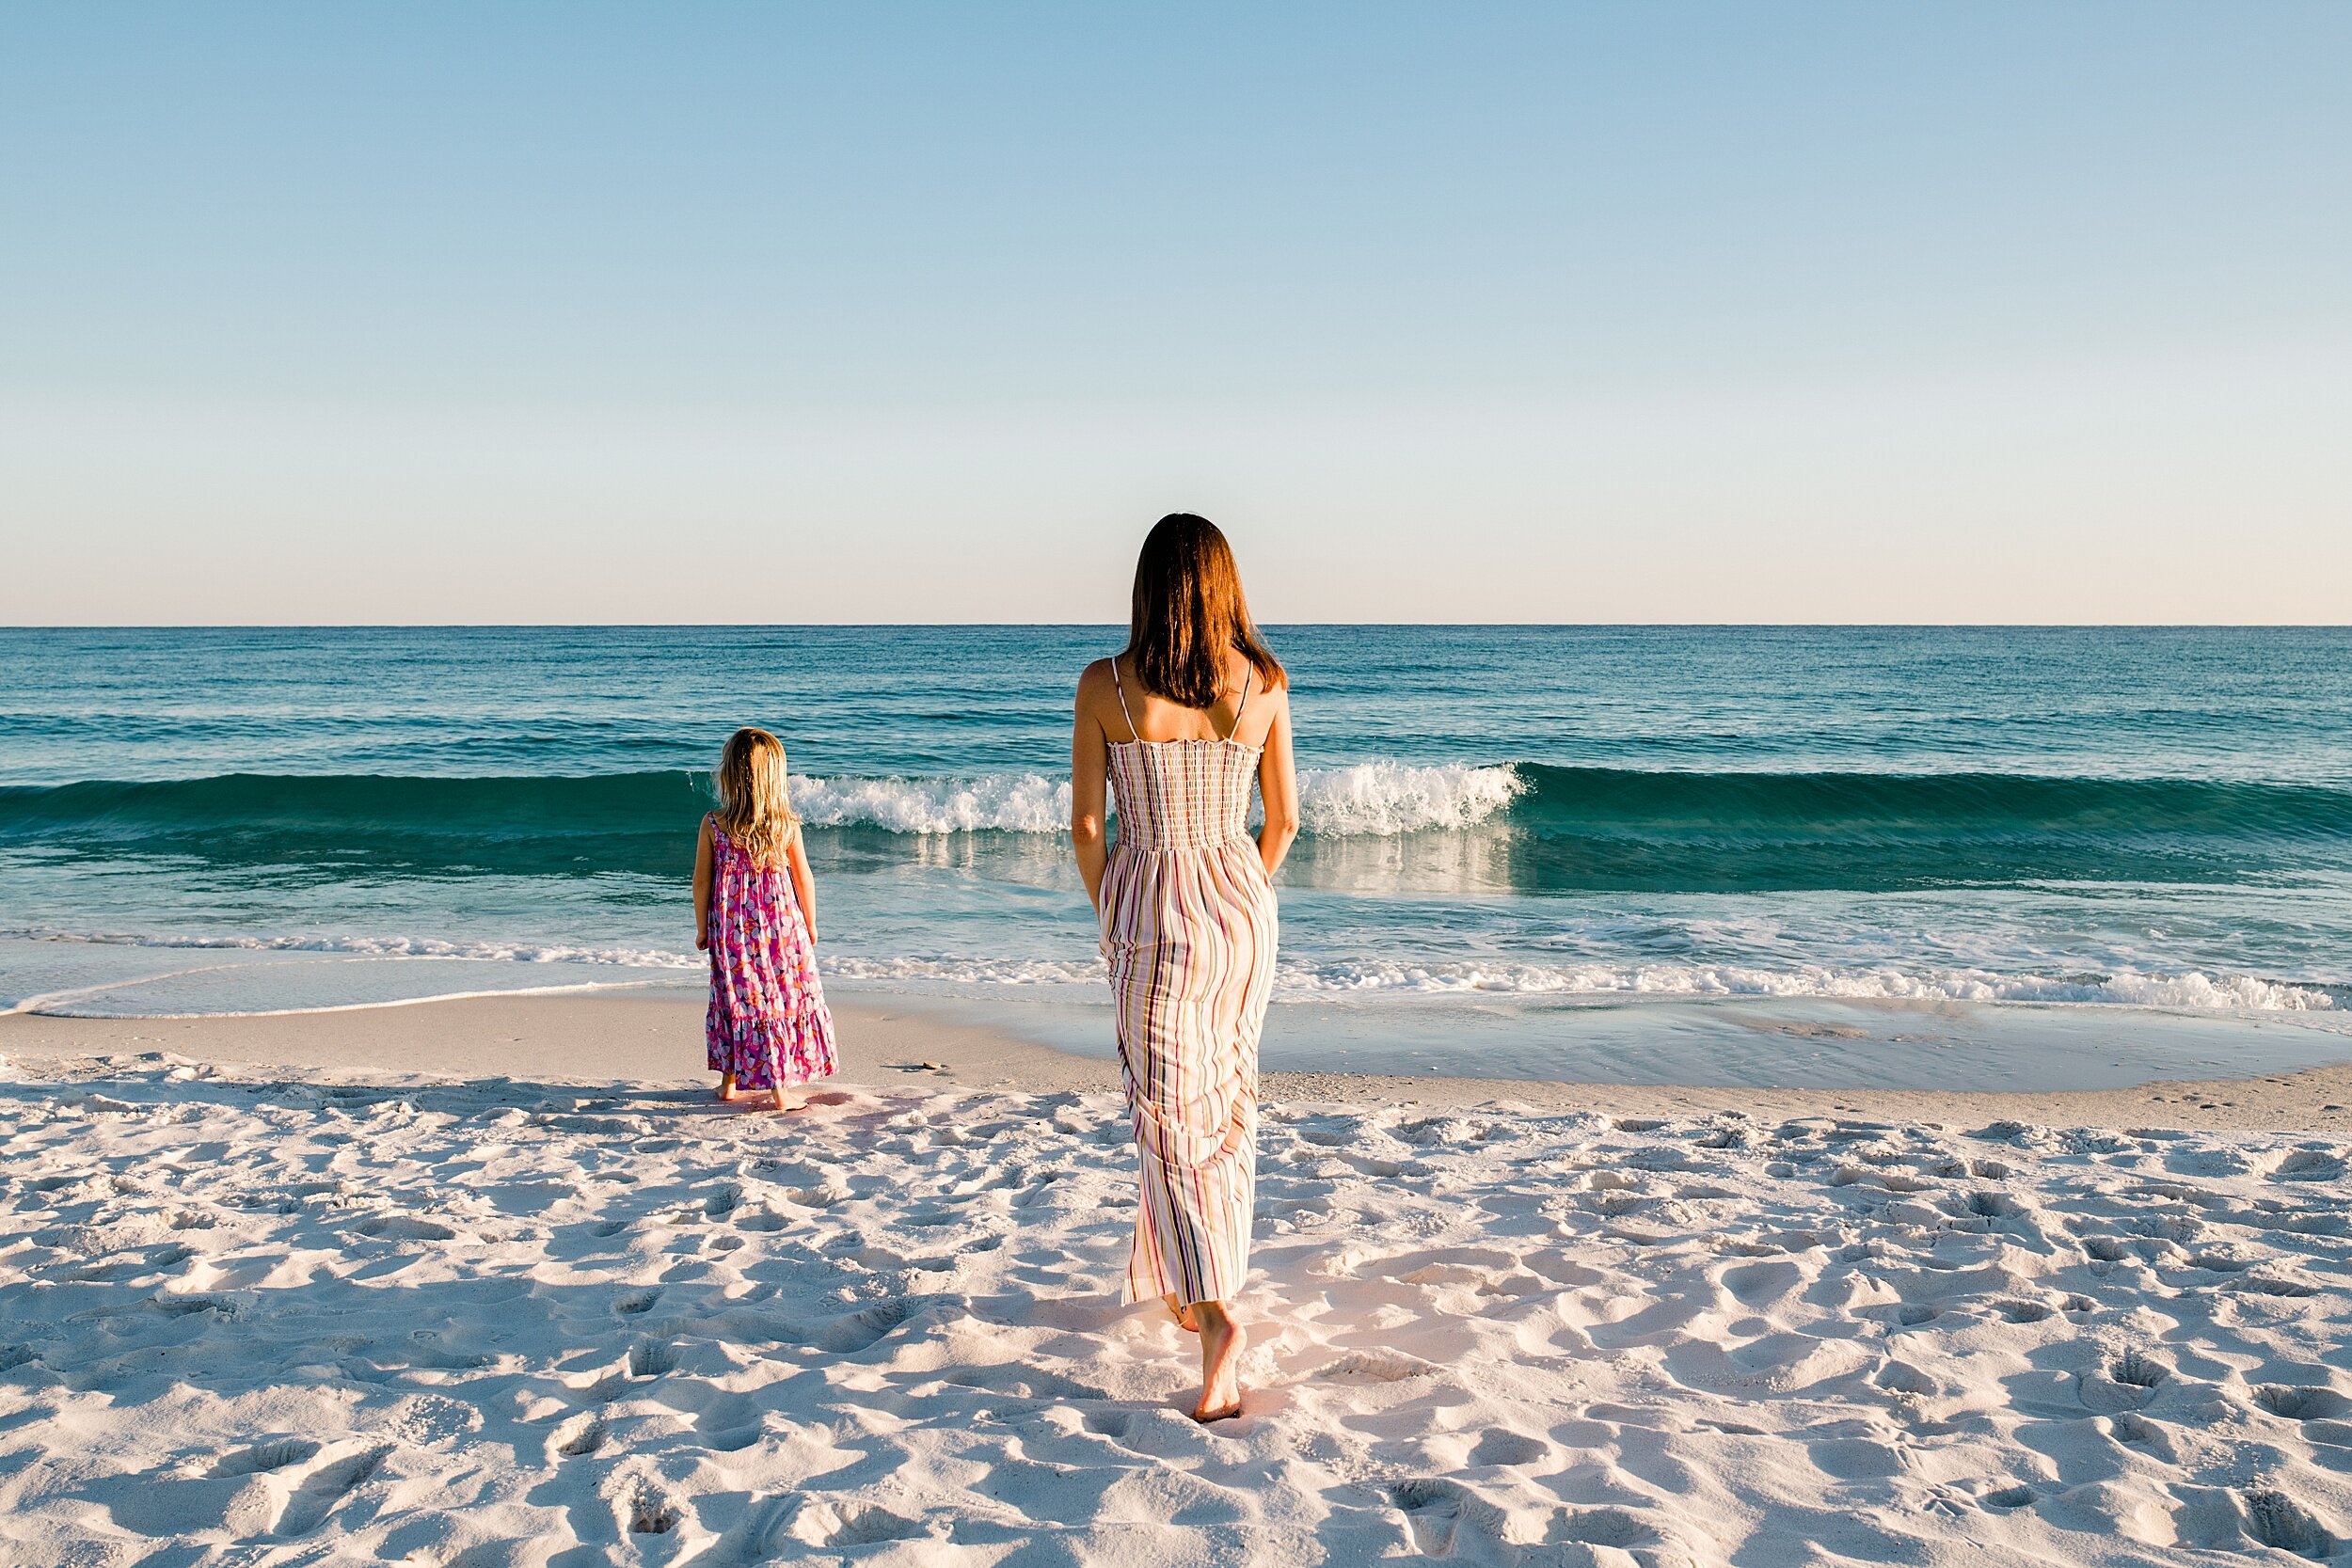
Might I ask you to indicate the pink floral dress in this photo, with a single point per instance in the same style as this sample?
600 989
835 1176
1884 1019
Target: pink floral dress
768 1023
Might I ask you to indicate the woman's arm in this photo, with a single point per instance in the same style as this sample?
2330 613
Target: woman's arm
804 888
702 886
1089 763
1277 785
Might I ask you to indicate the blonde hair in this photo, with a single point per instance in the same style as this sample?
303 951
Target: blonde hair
754 805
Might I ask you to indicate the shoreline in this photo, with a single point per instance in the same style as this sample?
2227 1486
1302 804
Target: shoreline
914 1045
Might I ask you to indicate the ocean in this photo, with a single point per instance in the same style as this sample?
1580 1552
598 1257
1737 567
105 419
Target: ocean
1966 857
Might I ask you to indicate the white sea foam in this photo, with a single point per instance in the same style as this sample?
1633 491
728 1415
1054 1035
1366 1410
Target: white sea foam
1001 802
2191 990
1331 981
968 971
375 947
1373 799
1384 798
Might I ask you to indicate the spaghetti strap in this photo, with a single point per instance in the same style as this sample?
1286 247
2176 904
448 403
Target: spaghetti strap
1120 687
1235 728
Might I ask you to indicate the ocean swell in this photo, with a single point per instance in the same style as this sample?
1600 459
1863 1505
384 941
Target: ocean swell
297 810
1529 827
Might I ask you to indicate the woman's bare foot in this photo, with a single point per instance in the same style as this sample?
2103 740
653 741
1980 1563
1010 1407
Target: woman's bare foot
727 1088
1181 1313
1220 1363
784 1103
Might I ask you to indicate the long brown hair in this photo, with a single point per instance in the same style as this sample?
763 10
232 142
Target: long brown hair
754 805
1189 612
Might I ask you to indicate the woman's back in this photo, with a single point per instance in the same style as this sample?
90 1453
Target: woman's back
1188 793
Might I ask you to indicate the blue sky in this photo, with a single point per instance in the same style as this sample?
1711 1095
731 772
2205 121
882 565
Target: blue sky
1553 312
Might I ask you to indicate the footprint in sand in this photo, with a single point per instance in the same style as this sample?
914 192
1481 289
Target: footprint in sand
1437 1131
581 1437
2001 1207
2277 1520
856 1331
1900 1377
651 1512
2308 1165
2299 1403
1437 1512
325 1487
1497 1446
651 1358
833 1523
1601 1527
1113 1424
1754 1285
403 1227
275 1454
2125 1385
2138 1432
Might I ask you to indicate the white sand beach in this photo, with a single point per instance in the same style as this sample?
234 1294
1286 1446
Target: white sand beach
317 1290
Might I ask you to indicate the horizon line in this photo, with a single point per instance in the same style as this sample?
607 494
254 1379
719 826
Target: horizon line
1008 625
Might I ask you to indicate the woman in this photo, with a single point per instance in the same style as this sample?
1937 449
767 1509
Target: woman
1178 724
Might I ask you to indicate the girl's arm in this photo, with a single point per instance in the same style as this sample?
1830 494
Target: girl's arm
1277 785
1089 764
702 886
803 888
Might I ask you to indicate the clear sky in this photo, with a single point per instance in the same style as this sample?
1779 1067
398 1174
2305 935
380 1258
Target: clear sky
1641 311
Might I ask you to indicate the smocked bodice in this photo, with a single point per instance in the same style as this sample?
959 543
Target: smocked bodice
1181 794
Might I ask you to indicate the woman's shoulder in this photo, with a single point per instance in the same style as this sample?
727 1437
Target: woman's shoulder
1096 683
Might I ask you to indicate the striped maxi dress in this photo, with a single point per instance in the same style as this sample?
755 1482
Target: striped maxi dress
1189 928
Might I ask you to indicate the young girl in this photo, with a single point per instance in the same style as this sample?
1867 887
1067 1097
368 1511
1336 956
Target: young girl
767 1026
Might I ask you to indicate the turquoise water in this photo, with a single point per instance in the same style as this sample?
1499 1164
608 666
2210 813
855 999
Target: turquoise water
1505 827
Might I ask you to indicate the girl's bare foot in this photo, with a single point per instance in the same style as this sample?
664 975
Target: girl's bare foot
1220 1363
1182 1314
727 1088
783 1103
